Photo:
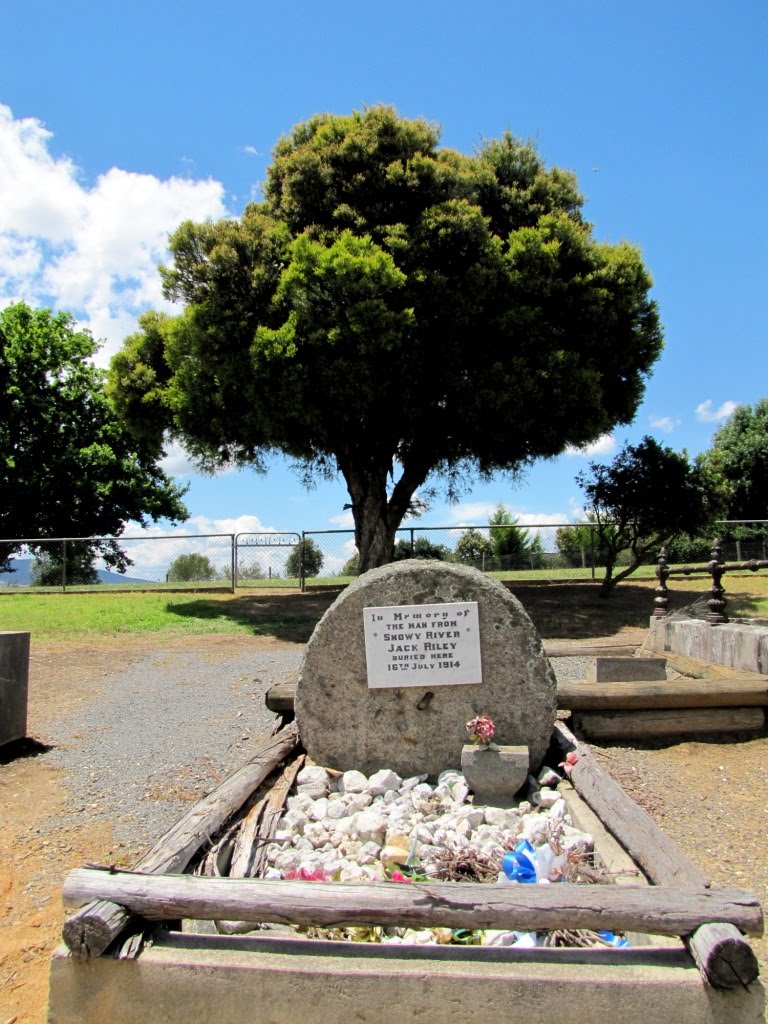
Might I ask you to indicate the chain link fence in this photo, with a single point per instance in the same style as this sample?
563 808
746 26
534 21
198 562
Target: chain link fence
545 551
173 561
566 552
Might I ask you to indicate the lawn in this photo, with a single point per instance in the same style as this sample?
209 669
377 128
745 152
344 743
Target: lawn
558 609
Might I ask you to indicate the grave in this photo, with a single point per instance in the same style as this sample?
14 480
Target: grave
406 656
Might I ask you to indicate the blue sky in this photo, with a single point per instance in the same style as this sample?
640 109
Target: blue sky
117 121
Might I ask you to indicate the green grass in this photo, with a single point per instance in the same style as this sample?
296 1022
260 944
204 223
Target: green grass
102 615
85 616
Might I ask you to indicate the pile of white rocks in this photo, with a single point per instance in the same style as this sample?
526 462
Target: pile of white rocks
352 828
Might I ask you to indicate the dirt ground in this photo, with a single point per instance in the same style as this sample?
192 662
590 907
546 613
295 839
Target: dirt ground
712 797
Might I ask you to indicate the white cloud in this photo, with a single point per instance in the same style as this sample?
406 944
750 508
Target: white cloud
471 512
90 249
344 520
604 445
250 150
665 423
708 414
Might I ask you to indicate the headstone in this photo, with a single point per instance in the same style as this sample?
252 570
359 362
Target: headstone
610 669
406 656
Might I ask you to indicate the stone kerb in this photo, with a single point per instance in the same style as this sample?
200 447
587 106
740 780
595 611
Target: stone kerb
419 727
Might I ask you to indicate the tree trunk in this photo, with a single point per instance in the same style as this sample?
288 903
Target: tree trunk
376 515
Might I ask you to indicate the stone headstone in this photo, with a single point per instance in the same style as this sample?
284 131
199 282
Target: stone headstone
609 669
406 656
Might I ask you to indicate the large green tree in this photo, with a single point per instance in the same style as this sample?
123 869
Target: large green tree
647 496
395 312
738 462
68 467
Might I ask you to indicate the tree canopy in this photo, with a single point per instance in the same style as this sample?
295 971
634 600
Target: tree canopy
738 460
304 560
396 312
644 498
68 468
190 567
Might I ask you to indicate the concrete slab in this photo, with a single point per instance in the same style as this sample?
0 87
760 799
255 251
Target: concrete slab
197 979
624 670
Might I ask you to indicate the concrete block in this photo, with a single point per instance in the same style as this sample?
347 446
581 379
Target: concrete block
494 776
742 646
623 670
14 685
189 979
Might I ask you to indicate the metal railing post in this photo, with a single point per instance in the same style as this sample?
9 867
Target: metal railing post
64 567
234 562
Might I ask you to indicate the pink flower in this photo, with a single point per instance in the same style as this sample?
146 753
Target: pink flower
305 875
481 729
570 760
398 876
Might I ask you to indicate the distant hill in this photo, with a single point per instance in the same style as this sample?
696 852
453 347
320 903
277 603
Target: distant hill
21 568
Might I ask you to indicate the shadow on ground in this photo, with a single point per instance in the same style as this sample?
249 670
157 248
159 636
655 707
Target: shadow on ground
290 617
559 610
17 750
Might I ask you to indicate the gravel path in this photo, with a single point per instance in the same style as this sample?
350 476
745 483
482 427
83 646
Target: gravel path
167 728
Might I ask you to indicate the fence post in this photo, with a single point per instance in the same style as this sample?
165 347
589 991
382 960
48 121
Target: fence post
592 552
717 600
301 561
233 540
63 567
661 601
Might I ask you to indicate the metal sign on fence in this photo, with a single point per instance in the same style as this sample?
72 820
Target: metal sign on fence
268 540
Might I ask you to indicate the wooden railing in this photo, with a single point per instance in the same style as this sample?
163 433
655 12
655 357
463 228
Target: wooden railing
716 568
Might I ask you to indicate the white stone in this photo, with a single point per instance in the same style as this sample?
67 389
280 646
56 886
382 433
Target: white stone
295 820
313 780
391 796
283 835
548 777
420 793
369 825
318 810
336 810
273 873
383 781
500 817
353 782
351 873
414 780
300 843
546 797
317 834
357 801
369 852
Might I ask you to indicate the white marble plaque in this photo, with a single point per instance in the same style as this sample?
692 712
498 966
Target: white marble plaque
423 645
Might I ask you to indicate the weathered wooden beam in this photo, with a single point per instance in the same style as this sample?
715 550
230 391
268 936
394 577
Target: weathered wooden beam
722 955
740 692
630 725
654 909
89 932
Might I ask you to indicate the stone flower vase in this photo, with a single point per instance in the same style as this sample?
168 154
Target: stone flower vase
494 773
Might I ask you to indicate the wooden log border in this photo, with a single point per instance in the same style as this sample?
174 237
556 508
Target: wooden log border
651 909
723 957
